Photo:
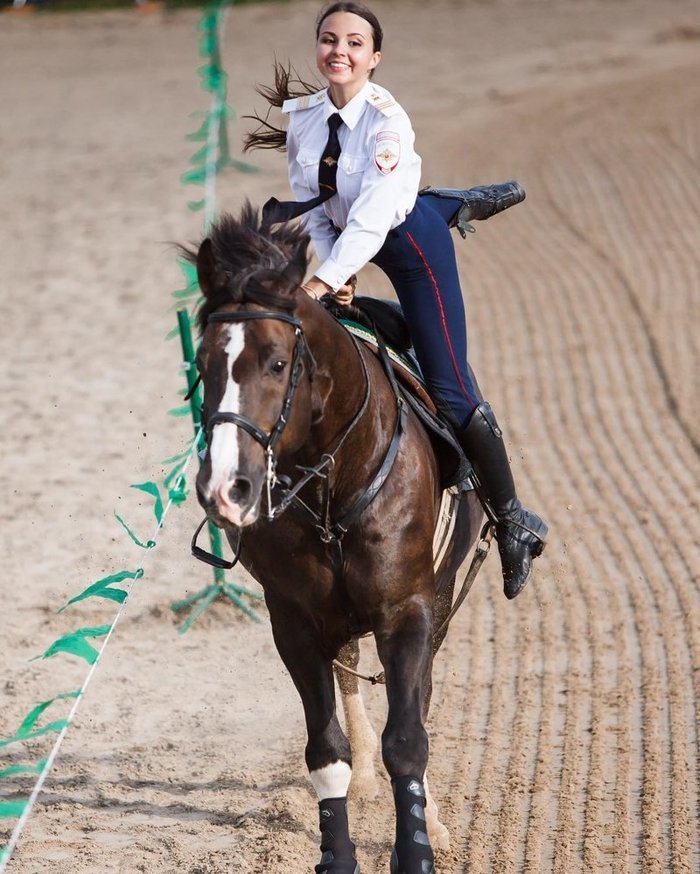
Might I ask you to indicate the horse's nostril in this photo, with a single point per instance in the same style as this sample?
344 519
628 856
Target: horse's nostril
201 496
240 491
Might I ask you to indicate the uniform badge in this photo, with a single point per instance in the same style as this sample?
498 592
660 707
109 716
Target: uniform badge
387 151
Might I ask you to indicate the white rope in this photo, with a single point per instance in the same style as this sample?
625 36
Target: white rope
38 786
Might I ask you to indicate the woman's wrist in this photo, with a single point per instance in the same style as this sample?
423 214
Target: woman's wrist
311 292
316 287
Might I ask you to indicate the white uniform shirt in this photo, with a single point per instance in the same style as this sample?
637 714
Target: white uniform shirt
377 181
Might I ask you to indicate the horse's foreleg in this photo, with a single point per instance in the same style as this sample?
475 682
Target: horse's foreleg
404 644
437 832
327 751
363 738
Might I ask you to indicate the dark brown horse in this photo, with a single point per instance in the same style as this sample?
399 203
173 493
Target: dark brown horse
333 488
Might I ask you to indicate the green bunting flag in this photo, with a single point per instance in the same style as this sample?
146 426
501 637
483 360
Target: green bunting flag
26 731
102 588
12 809
23 769
178 412
149 544
76 644
152 489
176 484
191 288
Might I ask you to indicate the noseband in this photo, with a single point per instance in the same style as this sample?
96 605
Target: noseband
267 441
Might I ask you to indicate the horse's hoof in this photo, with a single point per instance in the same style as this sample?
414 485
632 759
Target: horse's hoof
439 836
337 867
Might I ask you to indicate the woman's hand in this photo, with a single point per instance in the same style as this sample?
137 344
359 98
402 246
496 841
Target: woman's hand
346 293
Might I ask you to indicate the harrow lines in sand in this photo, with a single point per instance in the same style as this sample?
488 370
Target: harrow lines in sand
664 271
530 720
592 564
572 748
477 831
615 490
655 243
668 572
645 232
585 809
462 705
685 136
595 207
657 463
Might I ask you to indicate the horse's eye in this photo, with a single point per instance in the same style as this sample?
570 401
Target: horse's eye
278 366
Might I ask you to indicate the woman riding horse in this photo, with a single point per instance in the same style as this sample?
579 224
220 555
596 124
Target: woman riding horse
356 176
287 391
326 483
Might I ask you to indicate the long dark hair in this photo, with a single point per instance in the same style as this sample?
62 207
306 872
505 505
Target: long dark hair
288 84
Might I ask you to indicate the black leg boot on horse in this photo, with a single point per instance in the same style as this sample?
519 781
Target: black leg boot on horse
520 533
412 843
337 850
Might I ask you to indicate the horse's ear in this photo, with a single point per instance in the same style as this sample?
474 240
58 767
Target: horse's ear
295 271
207 272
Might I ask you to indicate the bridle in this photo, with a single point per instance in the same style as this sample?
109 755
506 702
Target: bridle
289 494
267 441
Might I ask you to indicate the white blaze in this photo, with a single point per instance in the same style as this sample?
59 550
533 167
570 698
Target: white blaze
224 449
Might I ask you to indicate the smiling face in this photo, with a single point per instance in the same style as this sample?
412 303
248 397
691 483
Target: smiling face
345 54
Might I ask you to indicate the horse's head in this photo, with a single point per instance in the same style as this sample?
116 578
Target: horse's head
255 367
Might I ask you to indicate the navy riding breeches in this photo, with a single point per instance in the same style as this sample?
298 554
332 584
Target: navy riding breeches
418 256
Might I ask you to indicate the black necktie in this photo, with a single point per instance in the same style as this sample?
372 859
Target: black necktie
274 211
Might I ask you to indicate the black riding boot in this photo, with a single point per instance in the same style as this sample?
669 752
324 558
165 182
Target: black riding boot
521 534
478 203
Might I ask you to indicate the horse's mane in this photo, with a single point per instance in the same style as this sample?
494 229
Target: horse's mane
252 262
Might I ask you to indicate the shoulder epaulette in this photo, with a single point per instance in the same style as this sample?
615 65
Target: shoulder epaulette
383 103
304 102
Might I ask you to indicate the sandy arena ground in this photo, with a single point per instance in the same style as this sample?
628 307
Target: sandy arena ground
565 724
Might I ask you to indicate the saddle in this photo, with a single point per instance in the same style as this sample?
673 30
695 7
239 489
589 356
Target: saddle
381 325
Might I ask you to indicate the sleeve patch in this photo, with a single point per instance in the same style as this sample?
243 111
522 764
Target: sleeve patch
387 151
